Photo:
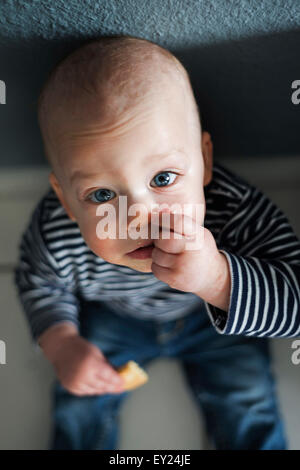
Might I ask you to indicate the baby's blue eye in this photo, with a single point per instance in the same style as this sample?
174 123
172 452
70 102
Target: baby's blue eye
163 179
102 195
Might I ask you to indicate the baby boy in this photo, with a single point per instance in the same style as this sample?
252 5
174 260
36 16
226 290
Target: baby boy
119 119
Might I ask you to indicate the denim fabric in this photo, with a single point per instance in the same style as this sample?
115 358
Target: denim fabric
230 377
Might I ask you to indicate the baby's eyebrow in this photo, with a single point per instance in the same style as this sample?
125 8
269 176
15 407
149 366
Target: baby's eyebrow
160 156
77 175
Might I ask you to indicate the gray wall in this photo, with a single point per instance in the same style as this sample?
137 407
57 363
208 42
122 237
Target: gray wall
242 57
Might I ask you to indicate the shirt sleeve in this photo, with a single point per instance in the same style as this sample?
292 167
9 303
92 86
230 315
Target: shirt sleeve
263 253
47 297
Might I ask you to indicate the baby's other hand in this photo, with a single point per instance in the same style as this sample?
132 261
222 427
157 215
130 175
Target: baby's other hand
82 369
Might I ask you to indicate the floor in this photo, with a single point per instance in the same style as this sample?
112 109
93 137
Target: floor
162 413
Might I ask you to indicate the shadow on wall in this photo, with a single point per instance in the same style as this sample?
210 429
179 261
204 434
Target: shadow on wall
243 89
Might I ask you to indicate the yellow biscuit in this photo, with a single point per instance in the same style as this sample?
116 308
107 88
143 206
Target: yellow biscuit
133 375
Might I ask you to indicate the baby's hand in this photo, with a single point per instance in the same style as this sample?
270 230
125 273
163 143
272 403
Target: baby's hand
83 370
191 264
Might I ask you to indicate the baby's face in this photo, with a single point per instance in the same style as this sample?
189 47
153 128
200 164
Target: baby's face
153 157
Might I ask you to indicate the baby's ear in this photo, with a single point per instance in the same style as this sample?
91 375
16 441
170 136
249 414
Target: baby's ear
207 152
57 188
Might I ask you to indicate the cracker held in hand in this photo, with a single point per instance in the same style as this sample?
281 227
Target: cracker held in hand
133 375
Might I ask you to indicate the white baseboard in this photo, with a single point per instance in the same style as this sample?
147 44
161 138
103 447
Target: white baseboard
267 172
24 182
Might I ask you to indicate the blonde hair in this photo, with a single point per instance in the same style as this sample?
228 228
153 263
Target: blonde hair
112 67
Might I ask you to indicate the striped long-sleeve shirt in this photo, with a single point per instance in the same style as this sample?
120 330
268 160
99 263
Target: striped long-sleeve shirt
56 267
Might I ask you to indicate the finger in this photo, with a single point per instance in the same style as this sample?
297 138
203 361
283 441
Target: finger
105 388
100 383
95 391
171 245
85 389
180 223
108 376
162 258
162 273
99 386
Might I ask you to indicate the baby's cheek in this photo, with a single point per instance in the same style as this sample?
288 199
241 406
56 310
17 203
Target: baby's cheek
97 241
108 250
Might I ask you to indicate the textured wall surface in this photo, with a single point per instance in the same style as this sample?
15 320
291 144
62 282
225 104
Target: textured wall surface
242 57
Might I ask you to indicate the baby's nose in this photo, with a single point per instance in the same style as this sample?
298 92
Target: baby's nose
140 214
141 206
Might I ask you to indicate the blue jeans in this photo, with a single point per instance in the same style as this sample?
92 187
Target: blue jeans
230 377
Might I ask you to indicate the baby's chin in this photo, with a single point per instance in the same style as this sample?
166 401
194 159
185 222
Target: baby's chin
142 265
